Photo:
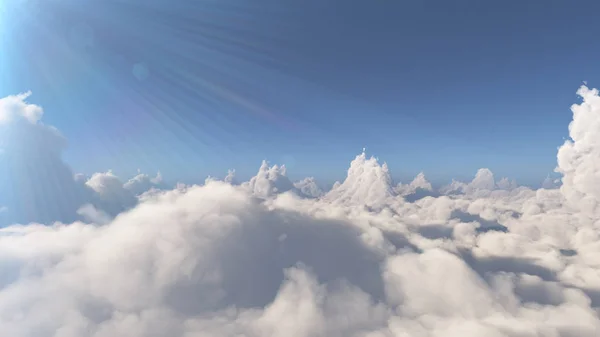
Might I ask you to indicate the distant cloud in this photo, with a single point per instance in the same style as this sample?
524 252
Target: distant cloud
308 187
368 258
269 181
143 183
367 182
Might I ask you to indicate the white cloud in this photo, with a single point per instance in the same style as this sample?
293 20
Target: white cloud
142 183
367 182
417 189
230 177
308 187
258 259
36 184
484 180
110 193
550 183
269 181
578 158
14 108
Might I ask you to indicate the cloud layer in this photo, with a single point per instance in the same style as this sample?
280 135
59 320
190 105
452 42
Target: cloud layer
274 258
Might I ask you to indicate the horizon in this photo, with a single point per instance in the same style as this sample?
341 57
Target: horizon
146 85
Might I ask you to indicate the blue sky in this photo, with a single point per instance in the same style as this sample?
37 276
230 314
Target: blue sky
193 88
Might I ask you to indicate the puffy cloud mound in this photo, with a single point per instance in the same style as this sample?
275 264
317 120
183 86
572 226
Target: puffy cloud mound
256 259
579 157
417 189
309 187
36 185
14 108
484 180
143 183
367 183
269 181
110 192
181 258
484 183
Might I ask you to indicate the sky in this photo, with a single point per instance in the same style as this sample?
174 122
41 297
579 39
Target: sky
92 91
194 88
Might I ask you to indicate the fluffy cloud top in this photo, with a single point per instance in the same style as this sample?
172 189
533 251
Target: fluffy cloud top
579 157
367 182
142 183
269 181
256 259
309 187
14 108
36 185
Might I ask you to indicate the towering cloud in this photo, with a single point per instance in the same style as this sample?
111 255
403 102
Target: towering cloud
269 181
579 157
367 183
35 183
484 180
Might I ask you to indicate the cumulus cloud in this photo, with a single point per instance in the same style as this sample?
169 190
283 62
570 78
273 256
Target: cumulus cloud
550 183
309 187
143 183
14 108
269 181
36 185
578 157
489 258
367 182
110 192
230 177
417 189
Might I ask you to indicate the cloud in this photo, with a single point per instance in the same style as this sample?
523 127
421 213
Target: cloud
14 108
217 260
417 189
367 182
230 177
142 183
269 181
309 187
257 259
203 262
578 157
37 185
